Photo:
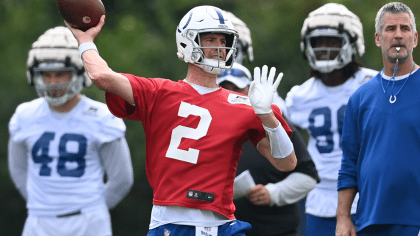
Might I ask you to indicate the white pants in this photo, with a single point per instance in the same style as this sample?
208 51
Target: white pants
94 223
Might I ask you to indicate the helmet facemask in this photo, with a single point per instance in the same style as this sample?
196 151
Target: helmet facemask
326 59
213 66
57 94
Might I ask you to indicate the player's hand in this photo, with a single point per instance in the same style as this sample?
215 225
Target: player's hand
262 89
90 34
258 195
345 227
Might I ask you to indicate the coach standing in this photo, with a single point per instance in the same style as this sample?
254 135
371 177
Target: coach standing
381 137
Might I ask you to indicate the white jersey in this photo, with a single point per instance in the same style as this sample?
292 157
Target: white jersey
65 173
281 104
320 110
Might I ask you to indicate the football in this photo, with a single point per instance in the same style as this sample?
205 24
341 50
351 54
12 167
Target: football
81 14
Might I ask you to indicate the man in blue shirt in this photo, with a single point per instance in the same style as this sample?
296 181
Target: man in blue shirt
381 136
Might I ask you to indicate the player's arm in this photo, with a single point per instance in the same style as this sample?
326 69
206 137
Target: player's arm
347 179
299 182
345 226
96 67
287 163
290 190
116 160
278 149
18 166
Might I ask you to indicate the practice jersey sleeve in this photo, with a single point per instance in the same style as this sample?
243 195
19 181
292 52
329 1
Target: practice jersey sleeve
112 128
116 160
347 177
148 92
16 131
17 159
18 166
293 102
290 190
17 151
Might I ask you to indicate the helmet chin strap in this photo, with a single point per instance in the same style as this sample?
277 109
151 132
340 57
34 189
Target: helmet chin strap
212 70
213 66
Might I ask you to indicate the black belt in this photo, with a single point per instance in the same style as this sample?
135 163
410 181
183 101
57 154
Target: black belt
78 212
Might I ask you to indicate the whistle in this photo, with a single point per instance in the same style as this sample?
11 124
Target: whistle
398 51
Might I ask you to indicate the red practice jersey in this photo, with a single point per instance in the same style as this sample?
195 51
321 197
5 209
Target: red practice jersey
193 141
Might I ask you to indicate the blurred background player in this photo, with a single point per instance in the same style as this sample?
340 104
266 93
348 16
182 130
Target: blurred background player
331 37
62 144
277 211
193 141
244 45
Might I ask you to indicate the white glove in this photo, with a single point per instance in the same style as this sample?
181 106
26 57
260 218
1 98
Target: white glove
262 89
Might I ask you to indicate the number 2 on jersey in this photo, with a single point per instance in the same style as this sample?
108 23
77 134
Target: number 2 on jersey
42 146
325 129
180 132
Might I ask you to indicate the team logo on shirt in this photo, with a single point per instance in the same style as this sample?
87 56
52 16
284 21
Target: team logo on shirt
238 99
166 232
366 79
92 111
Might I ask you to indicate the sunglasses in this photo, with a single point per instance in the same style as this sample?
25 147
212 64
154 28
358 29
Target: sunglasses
233 72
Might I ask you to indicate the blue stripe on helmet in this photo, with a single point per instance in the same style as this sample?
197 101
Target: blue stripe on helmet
221 19
189 19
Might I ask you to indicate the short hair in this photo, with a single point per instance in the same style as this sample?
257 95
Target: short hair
393 7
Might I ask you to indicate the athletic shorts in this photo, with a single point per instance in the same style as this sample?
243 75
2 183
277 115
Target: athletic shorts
233 228
93 223
322 226
390 230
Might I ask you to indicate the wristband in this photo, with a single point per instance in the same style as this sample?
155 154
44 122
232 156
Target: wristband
280 143
87 46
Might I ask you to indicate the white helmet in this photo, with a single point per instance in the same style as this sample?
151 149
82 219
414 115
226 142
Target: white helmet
333 20
56 50
205 19
244 47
